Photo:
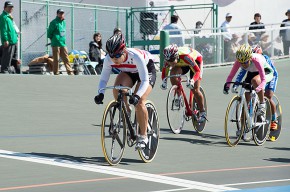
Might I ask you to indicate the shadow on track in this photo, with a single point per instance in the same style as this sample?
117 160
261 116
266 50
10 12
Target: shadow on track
89 160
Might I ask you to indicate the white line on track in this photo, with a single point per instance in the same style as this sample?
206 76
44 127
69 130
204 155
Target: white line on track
114 171
170 190
257 182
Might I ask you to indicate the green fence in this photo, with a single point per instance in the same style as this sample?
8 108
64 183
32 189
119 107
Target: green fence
83 20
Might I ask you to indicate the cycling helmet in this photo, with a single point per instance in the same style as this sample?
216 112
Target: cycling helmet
257 49
115 45
244 53
170 52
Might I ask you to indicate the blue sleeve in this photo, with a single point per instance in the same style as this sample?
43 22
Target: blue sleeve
272 65
241 75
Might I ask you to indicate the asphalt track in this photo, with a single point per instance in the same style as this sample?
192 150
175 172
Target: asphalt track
50 141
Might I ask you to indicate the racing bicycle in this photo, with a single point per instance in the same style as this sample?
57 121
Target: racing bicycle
241 117
118 128
180 109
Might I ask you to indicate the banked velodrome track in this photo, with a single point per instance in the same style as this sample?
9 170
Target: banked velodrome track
50 141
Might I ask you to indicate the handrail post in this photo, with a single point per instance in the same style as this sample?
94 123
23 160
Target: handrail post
164 42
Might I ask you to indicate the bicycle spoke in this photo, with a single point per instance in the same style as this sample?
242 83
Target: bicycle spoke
175 110
113 133
234 125
149 152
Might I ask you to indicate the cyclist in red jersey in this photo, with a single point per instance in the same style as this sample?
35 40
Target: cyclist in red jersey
180 60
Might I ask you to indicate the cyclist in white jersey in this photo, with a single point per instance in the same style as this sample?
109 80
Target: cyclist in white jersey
136 66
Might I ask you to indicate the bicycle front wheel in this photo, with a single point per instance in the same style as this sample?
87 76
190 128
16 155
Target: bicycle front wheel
199 126
234 121
175 109
113 133
274 135
153 131
261 132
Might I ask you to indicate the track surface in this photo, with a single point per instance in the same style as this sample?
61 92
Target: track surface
50 141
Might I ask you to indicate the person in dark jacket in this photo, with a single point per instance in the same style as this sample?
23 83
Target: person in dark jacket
96 53
285 33
257 24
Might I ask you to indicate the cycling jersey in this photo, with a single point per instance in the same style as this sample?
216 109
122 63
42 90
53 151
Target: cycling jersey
270 85
187 56
258 64
135 62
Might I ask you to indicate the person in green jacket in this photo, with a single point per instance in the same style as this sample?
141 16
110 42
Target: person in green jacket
9 38
57 34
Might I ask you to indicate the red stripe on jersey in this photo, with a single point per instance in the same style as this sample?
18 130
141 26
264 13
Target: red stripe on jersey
142 52
124 66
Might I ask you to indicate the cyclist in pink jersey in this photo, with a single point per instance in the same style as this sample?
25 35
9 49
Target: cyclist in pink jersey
259 73
137 67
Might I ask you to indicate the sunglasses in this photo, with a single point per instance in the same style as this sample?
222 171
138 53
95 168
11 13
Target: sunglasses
116 55
246 62
171 59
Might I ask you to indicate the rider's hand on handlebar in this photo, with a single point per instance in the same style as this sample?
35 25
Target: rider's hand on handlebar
163 86
134 100
99 98
190 84
226 90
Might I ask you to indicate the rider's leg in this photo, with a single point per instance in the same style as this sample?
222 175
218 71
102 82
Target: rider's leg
199 97
269 94
141 110
256 81
125 80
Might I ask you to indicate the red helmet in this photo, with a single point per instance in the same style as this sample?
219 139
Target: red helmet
257 49
115 45
170 52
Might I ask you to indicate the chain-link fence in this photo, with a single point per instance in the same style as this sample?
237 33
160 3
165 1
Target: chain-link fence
82 21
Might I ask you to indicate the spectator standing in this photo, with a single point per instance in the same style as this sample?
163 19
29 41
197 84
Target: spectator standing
225 27
257 24
285 33
179 41
9 38
198 26
57 34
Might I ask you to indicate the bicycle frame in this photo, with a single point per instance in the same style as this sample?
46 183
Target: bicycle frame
248 107
120 100
188 103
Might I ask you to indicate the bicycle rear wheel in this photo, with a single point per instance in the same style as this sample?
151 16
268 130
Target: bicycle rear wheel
175 109
113 133
153 131
234 121
274 135
260 133
199 126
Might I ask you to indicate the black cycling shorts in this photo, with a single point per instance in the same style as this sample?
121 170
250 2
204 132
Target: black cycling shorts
151 72
185 70
250 76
